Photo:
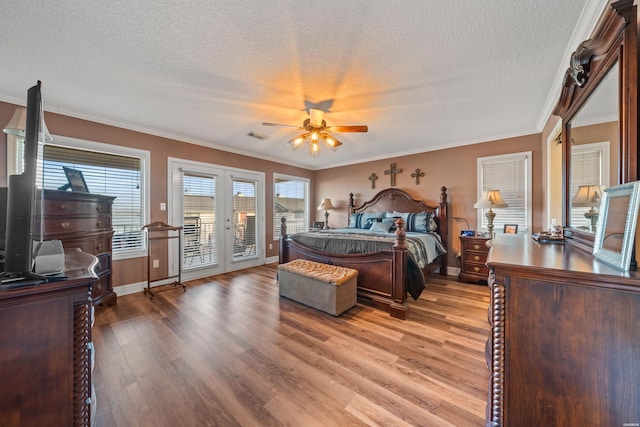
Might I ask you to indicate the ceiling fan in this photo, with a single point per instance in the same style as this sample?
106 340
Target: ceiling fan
316 129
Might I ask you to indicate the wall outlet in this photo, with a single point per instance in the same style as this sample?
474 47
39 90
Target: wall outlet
270 246
163 206
156 263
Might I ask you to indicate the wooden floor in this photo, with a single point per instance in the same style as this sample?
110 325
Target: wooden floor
230 352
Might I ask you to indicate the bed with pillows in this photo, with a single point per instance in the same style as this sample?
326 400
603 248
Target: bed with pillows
393 240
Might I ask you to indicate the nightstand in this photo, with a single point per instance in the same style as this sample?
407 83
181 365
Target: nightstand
474 252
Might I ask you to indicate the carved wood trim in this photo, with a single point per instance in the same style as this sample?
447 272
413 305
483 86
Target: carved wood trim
81 363
497 347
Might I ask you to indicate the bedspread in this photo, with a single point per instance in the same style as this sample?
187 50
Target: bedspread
422 248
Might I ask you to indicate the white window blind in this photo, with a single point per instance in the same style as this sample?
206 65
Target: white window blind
291 201
589 166
109 174
199 207
245 222
511 174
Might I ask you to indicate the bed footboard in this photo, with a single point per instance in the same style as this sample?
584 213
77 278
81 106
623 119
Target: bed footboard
382 275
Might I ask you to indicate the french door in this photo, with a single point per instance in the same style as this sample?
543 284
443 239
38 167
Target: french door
221 211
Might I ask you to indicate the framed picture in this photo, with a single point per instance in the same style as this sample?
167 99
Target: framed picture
76 180
616 226
318 224
511 228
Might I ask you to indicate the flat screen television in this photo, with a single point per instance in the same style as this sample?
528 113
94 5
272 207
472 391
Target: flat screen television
24 222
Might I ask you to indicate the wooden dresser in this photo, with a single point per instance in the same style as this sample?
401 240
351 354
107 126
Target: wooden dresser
564 348
83 220
46 350
473 259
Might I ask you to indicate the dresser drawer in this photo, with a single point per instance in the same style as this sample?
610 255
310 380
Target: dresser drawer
475 268
474 245
101 287
104 263
92 243
76 207
73 225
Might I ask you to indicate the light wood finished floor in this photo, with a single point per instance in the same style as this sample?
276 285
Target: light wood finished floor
230 352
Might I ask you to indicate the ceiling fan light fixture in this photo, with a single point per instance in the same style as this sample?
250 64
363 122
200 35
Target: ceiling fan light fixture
315 150
316 129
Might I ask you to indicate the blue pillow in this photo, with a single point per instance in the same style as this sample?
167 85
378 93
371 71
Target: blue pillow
421 222
380 227
364 220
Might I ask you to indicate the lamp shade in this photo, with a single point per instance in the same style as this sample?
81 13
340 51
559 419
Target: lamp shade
18 124
491 199
325 205
587 196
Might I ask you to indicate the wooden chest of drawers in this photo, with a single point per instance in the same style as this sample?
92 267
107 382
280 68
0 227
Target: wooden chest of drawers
83 220
473 252
45 362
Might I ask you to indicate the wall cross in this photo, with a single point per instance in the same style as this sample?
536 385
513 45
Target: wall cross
373 178
417 175
393 172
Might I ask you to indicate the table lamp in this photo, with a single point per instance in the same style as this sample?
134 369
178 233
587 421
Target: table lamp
326 205
490 199
588 196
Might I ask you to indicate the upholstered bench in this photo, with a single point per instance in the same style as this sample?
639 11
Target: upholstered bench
329 288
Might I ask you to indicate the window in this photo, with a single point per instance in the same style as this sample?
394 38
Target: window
291 200
111 170
511 174
589 166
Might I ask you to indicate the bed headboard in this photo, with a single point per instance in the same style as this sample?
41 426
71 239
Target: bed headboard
394 199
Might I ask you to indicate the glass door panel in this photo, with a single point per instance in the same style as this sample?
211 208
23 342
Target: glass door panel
199 213
244 220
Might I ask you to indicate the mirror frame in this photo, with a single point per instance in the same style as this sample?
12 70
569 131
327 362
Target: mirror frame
614 40
621 259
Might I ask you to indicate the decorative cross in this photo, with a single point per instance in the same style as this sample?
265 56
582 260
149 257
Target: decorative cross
373 178
393 172
417 175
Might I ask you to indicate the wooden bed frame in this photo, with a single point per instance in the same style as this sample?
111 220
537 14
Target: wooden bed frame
382 276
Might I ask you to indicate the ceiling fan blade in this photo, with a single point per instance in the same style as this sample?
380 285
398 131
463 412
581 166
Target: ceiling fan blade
279 124
348 128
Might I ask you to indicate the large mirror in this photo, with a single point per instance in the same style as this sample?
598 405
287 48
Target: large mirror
598 108
594 139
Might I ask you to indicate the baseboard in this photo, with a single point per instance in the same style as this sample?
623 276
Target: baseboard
453 271
132 288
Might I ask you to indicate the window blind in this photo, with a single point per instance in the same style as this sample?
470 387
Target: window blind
109 174
199 207
290 201
586 169
511 175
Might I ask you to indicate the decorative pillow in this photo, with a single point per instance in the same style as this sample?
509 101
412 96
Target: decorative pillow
421 222
365 219
380 227
392 222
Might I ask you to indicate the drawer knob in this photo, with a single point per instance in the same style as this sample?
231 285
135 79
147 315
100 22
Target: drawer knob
65 225
99 246
476 258
100 223
476 269
476 247
100 208
99 286
65 207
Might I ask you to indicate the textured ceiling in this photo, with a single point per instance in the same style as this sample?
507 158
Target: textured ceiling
422 75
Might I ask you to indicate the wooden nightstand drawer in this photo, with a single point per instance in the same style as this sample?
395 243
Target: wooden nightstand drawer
473 257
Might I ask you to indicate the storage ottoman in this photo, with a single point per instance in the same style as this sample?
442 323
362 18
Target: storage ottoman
329 288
